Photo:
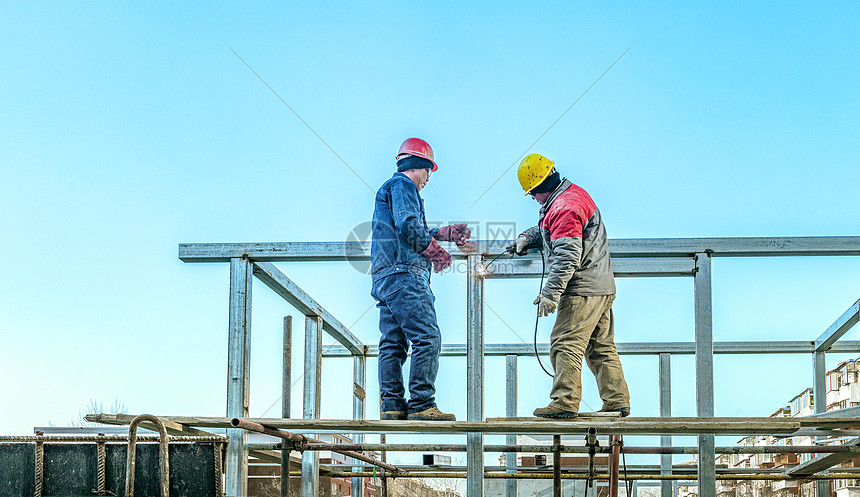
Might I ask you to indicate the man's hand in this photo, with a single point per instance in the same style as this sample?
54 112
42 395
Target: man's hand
440 257
518 247
545 306
457 233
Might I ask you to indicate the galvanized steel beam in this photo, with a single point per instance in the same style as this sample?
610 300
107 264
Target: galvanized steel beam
238 373
311 399
286 386
474 375
664 364
621 267
704 371
823 462
848 319
359 384
629 247
819 399
628 348
286 288
511 412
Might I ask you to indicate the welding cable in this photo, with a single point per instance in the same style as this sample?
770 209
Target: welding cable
537 312
628 485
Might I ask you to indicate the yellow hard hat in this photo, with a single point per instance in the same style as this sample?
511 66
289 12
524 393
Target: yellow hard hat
533 170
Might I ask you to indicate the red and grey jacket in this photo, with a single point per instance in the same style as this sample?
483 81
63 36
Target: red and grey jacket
574 240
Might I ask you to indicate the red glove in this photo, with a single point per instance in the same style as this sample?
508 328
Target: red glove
441 259
457 233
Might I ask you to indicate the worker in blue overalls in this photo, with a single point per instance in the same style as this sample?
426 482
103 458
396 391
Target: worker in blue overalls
403 251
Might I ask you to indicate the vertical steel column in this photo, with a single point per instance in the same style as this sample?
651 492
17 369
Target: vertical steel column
238 373
556 466
511 412
359 373
286 383
311 399
474 375
705 371
665 375
819 399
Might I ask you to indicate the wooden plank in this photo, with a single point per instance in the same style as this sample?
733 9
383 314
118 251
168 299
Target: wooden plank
172 427
588 415
630 425
175 428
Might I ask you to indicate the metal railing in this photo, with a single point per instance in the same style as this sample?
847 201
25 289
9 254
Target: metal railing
630 258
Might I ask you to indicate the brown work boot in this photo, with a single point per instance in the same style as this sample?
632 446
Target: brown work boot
392 415
431 414
553 412
625 411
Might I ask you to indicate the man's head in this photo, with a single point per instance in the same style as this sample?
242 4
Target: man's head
415 160
417 169
538 177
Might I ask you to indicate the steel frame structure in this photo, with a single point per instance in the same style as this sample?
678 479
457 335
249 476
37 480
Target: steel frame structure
656 257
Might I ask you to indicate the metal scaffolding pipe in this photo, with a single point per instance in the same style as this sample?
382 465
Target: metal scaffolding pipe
575 449
302 440
615 442
597 476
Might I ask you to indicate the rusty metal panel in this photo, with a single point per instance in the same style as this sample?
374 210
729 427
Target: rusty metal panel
72 469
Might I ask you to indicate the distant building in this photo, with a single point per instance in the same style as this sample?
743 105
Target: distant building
843 391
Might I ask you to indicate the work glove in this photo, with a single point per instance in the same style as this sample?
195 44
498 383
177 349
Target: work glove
457 233
441 259
546 306
518 247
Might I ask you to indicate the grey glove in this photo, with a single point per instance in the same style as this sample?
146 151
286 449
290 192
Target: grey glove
545 305
519 246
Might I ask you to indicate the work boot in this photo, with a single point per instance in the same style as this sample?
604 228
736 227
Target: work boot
553 412
392 415
431 414
625 411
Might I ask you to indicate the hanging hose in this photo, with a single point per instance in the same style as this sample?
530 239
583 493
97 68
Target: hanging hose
510 250
628 485
537 313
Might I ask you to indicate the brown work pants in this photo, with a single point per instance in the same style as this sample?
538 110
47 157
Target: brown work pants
584 326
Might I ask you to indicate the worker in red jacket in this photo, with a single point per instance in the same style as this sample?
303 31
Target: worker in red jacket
580 287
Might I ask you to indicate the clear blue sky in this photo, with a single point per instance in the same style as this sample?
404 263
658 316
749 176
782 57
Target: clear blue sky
128 128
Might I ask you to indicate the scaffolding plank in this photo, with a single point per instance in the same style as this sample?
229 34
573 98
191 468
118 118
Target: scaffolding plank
630 425
174 428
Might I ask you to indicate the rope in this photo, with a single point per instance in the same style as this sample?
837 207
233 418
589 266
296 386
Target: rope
219 484
40 461
101 488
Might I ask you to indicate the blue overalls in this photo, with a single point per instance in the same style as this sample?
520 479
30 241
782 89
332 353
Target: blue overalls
401 287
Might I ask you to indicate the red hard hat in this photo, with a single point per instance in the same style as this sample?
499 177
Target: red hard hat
418 148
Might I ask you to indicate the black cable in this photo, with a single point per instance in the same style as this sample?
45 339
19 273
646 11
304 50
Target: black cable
537 313
628 485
